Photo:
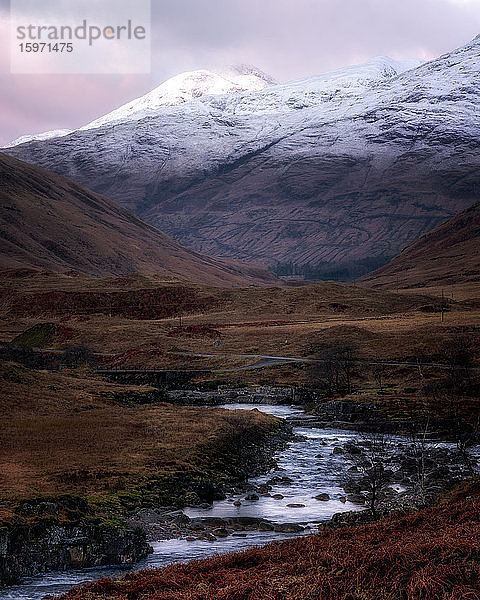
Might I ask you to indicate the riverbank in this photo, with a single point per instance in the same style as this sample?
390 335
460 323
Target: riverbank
410 415
75 463
163 457
433 553
318 476
70 532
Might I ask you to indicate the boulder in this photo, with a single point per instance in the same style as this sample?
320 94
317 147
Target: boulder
288 528
220 532
356 498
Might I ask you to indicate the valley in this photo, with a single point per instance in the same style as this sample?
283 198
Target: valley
121 443
240 322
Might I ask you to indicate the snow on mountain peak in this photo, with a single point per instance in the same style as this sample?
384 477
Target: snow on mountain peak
251 70
346 165
192 85
377 69
187 87
237 79
40 137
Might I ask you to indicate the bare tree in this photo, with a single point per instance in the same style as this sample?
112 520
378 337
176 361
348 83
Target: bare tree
372 465
458 353
334 367
456 397
421 448
379 374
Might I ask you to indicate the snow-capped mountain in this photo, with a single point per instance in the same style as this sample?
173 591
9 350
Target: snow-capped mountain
177 90
344 167
190 86
186 88
39 136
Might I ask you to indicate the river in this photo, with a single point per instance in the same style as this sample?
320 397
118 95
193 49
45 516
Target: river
309 462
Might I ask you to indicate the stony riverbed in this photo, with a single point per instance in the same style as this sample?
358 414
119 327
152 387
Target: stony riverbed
319 475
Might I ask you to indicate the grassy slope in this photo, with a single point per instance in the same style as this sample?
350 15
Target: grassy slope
107 314
64 433
430 555
50 222
286 322
446 256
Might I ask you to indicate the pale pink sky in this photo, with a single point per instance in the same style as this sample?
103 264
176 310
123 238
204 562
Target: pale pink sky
286 38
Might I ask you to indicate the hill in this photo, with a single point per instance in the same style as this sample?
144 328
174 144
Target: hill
48 222
449 255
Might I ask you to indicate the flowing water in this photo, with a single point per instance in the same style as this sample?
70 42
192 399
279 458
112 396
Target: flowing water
309 462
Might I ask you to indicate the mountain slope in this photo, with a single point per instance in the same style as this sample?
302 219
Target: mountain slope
448 255
49 222
348 167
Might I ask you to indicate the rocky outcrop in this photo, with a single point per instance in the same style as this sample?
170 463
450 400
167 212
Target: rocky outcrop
228 395
66 532
166 524
357 416
40 540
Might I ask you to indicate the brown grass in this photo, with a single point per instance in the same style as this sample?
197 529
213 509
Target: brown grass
445 256
54 223
62 433
274 321
278 321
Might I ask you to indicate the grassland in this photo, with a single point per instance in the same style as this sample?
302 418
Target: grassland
69 432
143 324
110 314
66 433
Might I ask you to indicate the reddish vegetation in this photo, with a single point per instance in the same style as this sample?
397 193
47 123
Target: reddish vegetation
154 303
430 555
135 356
194 331
64 334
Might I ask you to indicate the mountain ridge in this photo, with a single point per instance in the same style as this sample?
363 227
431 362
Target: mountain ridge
234 79
181 88
349 167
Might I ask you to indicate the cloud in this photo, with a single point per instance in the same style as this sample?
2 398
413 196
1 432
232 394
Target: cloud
294 38
287 38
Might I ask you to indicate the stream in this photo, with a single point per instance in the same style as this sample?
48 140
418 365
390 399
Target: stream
310 464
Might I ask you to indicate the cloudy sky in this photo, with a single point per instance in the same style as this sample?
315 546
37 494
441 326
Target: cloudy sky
288 39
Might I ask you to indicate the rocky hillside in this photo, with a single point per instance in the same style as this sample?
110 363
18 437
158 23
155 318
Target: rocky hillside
49 222
341 170
448 255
